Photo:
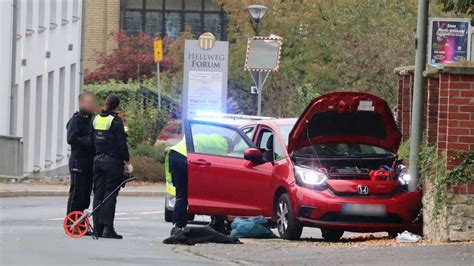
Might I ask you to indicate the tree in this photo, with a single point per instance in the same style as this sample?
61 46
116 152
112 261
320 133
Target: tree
327 46
457 6
131 60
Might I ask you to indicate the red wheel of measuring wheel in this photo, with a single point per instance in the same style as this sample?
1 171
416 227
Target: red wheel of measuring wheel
80 230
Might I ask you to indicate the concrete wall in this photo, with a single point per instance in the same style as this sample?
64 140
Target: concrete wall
47 80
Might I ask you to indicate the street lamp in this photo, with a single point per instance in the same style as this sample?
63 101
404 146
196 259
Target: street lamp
257 12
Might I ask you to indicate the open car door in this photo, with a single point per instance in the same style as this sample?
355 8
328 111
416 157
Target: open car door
220 180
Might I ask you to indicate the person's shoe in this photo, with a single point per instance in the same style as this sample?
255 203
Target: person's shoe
109 232
178 230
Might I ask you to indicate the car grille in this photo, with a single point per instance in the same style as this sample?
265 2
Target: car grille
357 195
338 217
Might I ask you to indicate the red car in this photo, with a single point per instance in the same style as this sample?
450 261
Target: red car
334 168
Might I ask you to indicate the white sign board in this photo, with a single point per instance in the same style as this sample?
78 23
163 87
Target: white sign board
205 77
263 53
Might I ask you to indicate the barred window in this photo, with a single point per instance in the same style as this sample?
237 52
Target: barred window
170 17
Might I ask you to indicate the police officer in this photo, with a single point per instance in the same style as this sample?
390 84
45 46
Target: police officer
176 165
110 142
79 131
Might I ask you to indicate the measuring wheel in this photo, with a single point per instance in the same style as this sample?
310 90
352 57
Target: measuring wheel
80 228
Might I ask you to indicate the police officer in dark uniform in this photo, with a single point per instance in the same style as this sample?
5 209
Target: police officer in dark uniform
79 130
112 156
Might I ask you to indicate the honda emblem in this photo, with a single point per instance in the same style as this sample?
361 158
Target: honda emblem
363 190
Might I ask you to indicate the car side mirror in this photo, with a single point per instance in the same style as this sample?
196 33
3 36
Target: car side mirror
253 155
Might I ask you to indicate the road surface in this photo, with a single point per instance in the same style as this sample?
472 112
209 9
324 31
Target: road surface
31 233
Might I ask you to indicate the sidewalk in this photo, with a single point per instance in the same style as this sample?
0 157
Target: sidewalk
39 189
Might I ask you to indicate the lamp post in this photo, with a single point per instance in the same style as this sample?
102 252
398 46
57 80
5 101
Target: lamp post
256 13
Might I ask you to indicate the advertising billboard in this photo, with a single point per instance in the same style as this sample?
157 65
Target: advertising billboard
449 40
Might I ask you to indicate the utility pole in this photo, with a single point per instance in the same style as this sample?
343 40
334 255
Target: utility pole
418 93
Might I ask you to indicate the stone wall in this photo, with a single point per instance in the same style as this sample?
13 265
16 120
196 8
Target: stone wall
448 123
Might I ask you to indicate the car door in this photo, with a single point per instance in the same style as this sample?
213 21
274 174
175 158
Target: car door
223 182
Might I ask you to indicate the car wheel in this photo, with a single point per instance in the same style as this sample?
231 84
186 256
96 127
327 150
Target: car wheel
168 215
287 224
331 235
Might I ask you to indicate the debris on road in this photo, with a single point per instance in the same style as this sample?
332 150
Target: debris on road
199 235
253 227
407 237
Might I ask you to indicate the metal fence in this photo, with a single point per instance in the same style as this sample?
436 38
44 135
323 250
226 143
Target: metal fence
11 157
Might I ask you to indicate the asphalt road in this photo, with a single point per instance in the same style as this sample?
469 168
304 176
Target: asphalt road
31 233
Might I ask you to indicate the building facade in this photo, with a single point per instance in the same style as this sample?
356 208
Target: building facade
154 17
40 50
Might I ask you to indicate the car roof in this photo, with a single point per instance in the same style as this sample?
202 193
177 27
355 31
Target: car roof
272 122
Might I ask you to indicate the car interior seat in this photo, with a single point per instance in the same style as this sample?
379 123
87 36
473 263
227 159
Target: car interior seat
268 153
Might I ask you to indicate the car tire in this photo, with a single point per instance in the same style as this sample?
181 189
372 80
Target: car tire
168 215
331 235
286 222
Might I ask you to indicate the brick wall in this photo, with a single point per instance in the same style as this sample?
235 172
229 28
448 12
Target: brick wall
448 124
101 19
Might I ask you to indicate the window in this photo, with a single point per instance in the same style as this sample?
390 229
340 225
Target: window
285 132
270 146
249 131
75 9
218 140
52 13
41 21
170 17
64 19
29 17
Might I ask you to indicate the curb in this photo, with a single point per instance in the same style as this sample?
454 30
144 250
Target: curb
56 193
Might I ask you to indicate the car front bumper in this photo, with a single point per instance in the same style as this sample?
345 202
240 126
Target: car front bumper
170 200
324 209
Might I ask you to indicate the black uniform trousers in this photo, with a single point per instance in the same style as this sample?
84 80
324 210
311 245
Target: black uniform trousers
179 174
108 174
81 183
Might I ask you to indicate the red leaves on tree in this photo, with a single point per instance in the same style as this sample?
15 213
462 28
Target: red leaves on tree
131 60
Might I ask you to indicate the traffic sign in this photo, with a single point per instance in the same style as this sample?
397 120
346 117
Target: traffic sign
158 50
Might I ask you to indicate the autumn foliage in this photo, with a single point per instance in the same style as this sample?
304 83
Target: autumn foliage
130 60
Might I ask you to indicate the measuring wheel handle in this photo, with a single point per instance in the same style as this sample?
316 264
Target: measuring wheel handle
76 224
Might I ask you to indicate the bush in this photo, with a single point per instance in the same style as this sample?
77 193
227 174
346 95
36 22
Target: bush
154 152
143 124
147 169
147 161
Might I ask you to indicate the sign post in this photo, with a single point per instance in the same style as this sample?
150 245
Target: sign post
158 55
263 57
205 76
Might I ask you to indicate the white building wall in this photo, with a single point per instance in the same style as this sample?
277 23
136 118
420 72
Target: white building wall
47 78
6 27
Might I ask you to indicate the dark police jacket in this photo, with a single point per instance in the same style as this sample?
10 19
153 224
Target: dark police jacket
110 138
79 131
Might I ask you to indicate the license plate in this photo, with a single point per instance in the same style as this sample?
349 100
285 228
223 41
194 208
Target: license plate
363 209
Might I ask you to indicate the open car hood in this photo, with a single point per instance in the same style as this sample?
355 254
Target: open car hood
346 117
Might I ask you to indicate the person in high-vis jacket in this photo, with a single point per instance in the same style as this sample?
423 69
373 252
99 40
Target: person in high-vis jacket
110 141
79 130
176 168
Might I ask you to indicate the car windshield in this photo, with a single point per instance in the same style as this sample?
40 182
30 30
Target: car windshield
285 132
349 150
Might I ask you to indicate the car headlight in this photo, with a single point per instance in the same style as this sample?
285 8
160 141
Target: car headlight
404 177
310 176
